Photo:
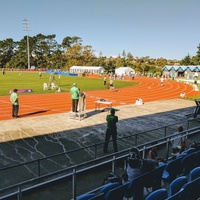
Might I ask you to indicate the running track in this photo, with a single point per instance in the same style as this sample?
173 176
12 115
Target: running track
149 90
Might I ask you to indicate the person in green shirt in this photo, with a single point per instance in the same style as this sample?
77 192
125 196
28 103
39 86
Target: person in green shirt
195 80
15 103
75 96
111 130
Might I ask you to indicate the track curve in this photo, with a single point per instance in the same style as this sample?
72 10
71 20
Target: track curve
148 90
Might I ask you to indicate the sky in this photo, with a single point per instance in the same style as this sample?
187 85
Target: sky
156 28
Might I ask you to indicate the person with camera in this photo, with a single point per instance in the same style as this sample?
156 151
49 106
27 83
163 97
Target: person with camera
135 166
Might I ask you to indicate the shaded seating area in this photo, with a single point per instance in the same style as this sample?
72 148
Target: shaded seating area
180 183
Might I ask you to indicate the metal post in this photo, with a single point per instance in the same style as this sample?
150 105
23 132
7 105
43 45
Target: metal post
26 27
19 195
39 173
74 184
167 148
113 164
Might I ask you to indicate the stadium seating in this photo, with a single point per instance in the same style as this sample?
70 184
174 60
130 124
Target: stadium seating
197 159
177 184
160 194
109 186
172 170
86 196
187 163
98 197
191 190
136 187
117 193
195 173
190 150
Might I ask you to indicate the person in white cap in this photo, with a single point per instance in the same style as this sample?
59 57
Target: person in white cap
75 96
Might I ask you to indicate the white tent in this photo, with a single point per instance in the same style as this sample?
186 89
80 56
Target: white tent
124 71
87 69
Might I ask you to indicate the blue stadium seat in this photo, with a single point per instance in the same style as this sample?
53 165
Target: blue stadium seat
117 193
190 150
187 163
86 196
109 186
191 190
195 173
176 185
136 187
156 175
172 170
176 196
197 159
98 197
160 194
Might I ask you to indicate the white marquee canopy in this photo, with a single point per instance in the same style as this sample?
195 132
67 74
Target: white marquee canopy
87 69
124 71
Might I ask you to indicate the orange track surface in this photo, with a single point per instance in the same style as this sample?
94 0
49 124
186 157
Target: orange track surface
149 90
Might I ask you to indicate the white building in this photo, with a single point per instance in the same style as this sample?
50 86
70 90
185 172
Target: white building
86 69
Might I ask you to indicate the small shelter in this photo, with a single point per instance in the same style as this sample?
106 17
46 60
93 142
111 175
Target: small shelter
124 71
86 69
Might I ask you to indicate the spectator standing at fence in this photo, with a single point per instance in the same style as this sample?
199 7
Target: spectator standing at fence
75 96
111 130
15 103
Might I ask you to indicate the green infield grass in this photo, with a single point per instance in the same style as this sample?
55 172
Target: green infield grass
31 80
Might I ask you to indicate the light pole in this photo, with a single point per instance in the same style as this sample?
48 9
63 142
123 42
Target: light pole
26 28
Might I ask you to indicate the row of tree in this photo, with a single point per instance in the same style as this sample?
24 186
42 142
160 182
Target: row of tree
45 52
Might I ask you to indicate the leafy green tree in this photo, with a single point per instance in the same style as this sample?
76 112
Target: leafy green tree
87 55
70 41
186 61
196 59
7 51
